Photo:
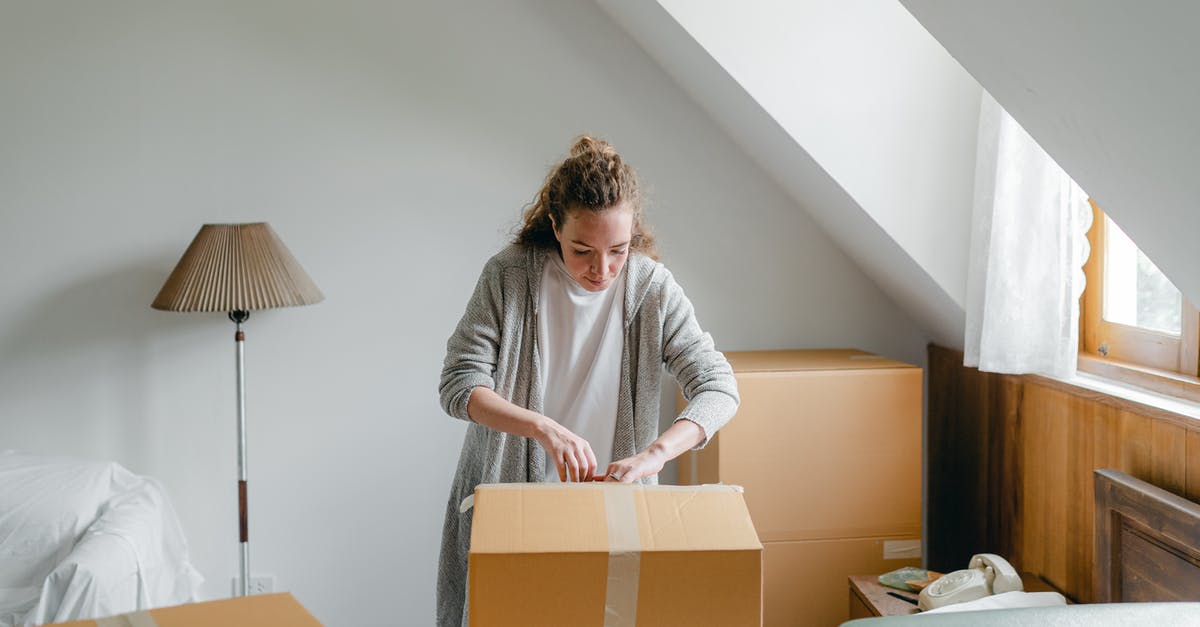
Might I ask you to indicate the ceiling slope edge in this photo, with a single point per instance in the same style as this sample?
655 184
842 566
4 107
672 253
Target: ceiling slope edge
861 238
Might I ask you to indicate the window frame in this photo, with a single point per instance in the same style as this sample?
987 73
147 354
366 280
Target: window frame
1142 357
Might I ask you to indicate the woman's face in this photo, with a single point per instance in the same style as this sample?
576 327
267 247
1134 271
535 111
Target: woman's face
595 244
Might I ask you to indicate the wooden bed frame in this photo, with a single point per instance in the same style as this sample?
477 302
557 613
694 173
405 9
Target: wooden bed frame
1147 542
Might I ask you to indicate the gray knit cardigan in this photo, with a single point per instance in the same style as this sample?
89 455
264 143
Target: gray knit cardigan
495 346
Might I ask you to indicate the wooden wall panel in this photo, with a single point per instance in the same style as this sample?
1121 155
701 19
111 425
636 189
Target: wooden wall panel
1078 506
1106 437
956 476
1192 491
1135 435
1005 534
1168 456
1011 461
1035 491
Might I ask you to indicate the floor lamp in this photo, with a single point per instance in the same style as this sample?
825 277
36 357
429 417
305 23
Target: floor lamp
237 268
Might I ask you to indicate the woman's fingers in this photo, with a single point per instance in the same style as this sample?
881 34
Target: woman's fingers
569 464
573 456
584 459
627 470
581 466
569 457
591 464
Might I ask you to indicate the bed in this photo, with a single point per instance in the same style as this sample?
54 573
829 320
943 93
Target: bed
1147 542
83 539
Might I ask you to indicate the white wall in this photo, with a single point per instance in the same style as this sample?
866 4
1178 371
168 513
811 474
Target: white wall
391 146
1110 89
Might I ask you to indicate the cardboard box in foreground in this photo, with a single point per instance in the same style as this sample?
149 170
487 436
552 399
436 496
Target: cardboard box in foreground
264 610
572 554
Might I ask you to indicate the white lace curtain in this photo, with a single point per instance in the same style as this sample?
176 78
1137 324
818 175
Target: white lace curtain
1028 245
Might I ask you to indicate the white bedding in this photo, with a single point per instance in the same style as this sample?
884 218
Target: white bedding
86 539
1004 600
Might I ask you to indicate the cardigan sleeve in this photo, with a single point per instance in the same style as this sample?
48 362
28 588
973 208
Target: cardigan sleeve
702 371
472 350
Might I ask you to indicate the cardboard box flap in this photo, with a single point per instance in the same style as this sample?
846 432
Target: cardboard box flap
574 518
679 520
792 360
263 610
521 518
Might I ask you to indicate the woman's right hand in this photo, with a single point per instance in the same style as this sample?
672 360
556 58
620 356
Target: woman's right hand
571 453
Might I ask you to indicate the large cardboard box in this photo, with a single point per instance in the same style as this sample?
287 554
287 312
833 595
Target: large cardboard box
264 610
613 554
827 444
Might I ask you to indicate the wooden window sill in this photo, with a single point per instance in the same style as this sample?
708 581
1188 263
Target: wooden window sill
1121 391
1172 384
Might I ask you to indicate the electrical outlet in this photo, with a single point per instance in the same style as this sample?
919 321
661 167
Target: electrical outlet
259 584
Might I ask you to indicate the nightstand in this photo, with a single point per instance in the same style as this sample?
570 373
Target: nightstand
870 598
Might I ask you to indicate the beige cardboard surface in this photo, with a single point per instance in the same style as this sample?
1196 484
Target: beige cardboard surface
806 582
798 360
540 555
827 454
264 610
822 453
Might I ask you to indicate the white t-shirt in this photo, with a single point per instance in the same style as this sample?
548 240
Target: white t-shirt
579 343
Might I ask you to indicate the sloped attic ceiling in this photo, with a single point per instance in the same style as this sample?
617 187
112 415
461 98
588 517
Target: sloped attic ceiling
1111 89
856 111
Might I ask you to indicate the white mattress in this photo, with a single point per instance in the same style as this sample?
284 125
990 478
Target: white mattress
86 539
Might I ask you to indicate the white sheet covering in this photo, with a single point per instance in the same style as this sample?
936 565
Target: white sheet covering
86 539
1004 600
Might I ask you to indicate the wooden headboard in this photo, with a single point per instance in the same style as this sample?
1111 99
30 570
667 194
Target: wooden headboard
1147 542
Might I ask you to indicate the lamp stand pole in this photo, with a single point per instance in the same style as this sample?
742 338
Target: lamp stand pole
243 508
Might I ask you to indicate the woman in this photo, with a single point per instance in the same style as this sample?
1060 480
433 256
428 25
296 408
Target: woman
557 360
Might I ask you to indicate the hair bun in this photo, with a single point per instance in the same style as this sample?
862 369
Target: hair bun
586 144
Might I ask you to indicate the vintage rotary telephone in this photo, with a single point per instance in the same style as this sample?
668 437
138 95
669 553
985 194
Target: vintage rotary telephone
985 575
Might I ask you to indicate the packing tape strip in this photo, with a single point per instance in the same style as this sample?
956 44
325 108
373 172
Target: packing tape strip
624 558
469 502
136 619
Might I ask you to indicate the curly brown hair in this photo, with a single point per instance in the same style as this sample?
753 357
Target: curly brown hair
595 178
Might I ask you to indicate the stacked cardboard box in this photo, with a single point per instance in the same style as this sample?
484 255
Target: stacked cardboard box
827 444
613 554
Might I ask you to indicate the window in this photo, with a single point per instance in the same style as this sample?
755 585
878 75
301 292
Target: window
1131 316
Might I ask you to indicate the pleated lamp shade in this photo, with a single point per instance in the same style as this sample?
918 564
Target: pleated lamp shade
236 267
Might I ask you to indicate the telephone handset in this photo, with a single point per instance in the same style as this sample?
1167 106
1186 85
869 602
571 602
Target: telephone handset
985 575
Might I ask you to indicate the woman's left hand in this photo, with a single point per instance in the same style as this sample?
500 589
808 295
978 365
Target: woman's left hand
648 462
